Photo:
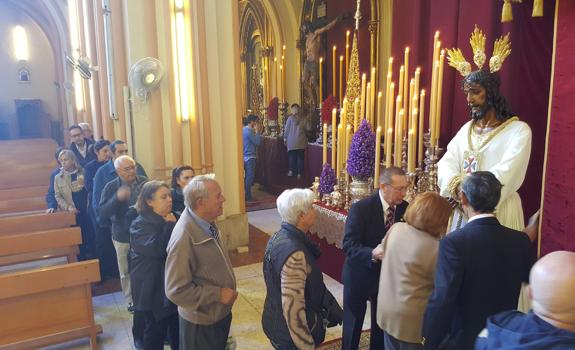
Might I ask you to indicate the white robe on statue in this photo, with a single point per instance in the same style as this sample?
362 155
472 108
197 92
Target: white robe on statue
506 156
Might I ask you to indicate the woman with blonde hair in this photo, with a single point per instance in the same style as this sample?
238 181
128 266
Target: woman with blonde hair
71 195
408 270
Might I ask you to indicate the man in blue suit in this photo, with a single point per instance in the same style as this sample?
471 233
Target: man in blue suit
366 225
479 272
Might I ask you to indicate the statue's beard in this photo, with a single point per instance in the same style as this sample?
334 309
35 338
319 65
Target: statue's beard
478 112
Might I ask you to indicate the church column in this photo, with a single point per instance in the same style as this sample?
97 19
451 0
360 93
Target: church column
102 75
217 67
94 83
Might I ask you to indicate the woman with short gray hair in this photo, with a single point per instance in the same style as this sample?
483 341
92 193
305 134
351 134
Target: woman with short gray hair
297 301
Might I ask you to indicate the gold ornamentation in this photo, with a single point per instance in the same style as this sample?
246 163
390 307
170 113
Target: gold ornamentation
490 135
501 50
353 80
454 187
456 60
477 41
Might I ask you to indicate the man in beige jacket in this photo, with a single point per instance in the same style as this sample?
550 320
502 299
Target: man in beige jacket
199 274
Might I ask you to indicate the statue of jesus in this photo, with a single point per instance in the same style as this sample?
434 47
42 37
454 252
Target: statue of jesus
311 65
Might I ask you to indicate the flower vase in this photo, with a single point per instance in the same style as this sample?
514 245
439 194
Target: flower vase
359 189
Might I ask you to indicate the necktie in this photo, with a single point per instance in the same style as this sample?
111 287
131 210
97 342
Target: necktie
389 217
214 232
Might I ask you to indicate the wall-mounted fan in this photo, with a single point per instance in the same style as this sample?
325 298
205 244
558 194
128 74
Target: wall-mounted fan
145 76
82 65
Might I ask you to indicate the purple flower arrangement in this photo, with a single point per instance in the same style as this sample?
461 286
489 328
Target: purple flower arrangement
360 162
327 180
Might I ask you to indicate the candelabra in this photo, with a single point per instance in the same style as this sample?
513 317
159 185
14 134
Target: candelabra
404 154
411 187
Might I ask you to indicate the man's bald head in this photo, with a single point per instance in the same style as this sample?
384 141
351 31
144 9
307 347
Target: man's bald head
552 286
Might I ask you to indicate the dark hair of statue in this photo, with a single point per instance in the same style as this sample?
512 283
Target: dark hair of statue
490 82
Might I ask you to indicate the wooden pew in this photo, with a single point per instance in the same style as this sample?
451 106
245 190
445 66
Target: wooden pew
22 205
26 163
23 192
40 245
36 222
47 306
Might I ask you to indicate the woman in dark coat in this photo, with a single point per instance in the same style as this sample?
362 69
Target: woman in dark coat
149 236
180 178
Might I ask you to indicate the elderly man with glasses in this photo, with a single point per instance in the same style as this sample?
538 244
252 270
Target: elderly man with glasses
366 225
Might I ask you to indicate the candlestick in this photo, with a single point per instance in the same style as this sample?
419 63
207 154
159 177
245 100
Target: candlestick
377 157
280 92
389 110
339 128
346 54
333 136
324 143
417 78
421 126
343 113
355 115
283 76
406 97
362 101
379 109
368 103
388 150
410 104
439 95
402 82
340 77
387 97
410 152
398 132
320 80
399 138
334 76
373 81
432 105
275 77
347 142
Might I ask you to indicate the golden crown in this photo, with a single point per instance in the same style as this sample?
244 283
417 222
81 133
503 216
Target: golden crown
501 49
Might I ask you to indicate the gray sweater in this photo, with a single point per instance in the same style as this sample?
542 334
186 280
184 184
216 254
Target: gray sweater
197 268
294 133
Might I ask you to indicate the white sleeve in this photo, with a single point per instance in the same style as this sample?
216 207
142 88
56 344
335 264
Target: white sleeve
449 165
511 169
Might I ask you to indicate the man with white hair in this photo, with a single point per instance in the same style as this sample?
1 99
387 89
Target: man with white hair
87 131
199 275
116 205
551 323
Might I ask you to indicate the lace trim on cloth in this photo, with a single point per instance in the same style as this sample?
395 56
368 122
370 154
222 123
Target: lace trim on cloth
329 225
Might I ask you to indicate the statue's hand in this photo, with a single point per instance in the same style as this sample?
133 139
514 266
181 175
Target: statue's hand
453 202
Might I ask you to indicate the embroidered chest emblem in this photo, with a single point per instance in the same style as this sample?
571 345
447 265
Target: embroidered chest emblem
470 162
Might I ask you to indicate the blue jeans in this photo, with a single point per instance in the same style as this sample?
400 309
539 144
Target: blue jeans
296 161
250 175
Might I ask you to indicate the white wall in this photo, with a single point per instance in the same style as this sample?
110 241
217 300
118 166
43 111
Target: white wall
40 64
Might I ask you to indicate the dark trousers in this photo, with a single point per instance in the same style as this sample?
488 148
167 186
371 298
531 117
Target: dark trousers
354 305
394 344
250 176
296 159
106 253
197 337
155 331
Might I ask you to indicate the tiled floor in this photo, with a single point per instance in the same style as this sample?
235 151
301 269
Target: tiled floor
110 309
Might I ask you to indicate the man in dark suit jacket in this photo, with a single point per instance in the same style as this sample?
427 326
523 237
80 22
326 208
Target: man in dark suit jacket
80 145
479 272
366 225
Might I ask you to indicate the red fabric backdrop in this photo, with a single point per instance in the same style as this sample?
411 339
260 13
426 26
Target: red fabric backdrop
525 75
559 216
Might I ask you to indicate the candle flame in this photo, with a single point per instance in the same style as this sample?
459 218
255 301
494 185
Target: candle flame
379 94
418 70
407 49
391 60
422 92
334 47
341 58
321 59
